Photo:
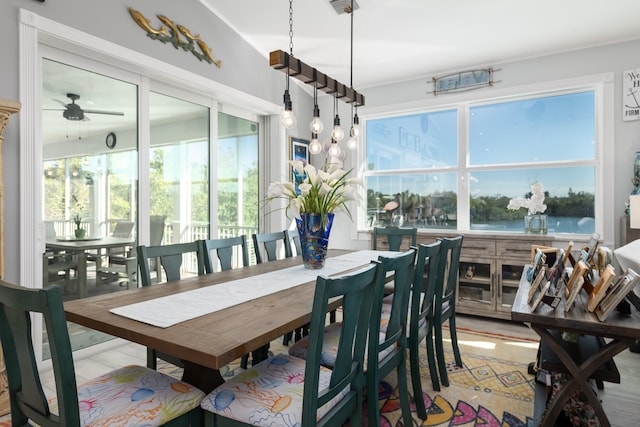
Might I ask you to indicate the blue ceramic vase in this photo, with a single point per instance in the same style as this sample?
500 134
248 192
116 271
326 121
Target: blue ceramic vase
314 238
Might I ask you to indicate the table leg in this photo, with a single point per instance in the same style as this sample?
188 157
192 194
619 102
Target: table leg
578 376
82 274
206 379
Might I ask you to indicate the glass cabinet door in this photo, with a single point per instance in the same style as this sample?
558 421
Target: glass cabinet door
475 283
509 279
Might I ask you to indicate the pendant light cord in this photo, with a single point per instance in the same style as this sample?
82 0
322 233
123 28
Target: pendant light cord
290 40
351 76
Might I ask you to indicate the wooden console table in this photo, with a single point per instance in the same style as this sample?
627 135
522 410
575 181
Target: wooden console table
621 330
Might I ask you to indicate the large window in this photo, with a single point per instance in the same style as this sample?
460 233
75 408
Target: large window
422 173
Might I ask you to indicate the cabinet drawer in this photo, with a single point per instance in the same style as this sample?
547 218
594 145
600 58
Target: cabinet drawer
478 247
517 250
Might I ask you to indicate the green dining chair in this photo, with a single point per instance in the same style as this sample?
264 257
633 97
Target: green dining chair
421 320
444 308
294 241
285 390
170 259
225 250
268 243
125 396
387 346
395 237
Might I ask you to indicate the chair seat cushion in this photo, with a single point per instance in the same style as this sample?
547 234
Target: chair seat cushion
134 396
269 393
330 346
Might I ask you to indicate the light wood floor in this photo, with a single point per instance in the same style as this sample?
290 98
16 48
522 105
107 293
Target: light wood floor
621 401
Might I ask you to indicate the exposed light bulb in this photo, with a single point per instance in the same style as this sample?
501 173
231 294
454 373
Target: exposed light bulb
314 146
337 133
316 125
335 151
287 118
352 143
355 127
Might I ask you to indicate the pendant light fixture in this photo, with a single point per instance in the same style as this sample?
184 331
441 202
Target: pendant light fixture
316 125
337 134
354 133
287 117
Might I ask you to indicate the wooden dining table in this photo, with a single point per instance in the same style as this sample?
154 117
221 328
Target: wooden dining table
79 247
211 341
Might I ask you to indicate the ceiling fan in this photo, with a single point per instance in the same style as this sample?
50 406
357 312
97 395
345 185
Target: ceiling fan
74 112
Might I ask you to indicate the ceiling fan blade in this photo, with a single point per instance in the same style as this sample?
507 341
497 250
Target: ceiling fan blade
112 113
64 104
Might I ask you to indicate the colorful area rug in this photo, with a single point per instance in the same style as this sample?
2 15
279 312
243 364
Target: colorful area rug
492 388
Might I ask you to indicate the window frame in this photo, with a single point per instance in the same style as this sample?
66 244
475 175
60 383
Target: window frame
602 87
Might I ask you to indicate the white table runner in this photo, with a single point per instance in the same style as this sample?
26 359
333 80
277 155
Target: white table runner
173 309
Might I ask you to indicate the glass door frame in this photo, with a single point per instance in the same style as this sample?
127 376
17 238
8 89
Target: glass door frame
37 35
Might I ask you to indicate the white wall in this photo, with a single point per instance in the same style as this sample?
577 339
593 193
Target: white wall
617 58
246 70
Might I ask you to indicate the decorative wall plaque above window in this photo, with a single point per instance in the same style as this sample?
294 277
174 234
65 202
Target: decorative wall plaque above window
631 95
463 80
172 33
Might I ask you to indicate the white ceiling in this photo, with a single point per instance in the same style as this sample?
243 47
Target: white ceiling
394 40
397 40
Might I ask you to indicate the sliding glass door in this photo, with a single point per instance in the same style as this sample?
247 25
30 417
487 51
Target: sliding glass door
89 152
237 173
178 173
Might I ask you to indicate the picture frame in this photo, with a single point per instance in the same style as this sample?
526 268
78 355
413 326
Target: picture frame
568 256
538 299
600 289
538 261
550 252
535 284
557 270
616 294
298 150
574 284
589 250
